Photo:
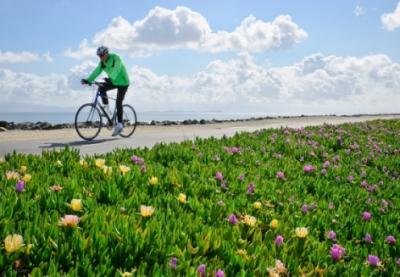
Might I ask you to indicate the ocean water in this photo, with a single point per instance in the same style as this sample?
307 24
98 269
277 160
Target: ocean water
68 117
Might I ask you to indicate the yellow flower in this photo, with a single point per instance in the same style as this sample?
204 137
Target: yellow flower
249 220
146 211
126 274
301 232
76 205
13 243
83 163
153 181
27 178
12 175
278 270
274 224
69 220
23 169
124 169
242 253
257 205
100 163
182 198
59 163
107 170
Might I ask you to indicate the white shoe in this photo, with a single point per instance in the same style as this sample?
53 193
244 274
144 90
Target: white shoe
117 130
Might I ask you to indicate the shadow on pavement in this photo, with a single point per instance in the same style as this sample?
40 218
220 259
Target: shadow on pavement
75 143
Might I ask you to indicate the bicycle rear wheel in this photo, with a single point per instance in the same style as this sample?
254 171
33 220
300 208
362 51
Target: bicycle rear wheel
88 121
129 120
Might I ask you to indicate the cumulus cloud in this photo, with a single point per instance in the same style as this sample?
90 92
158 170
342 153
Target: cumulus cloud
21 57
317 84
186 29
391 21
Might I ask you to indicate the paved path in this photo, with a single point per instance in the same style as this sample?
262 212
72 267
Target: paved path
146 136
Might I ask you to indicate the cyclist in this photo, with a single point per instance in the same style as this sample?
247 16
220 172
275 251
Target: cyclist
117 79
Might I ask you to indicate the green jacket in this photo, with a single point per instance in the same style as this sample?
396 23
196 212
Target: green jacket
115 70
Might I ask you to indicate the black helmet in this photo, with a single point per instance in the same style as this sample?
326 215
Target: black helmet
102 50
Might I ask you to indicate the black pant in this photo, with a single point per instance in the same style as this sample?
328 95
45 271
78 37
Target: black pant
120 96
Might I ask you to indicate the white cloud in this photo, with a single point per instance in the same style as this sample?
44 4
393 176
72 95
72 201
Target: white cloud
358 11
391 21
185 29
317 84
84 51
23 57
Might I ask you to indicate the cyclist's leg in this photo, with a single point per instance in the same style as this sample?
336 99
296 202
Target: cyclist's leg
120 98
103 92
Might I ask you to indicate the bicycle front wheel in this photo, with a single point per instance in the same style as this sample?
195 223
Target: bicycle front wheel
129 120
88 121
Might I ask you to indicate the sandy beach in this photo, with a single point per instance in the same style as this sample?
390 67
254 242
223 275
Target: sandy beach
37 140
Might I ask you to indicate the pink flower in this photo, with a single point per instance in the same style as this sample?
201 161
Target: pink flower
250 188
219 273
332 235
280 175
367 216
218 176
308 168
202 270
373 260
232 219
391 240
368 238
337 252
278 240
20 186
174 262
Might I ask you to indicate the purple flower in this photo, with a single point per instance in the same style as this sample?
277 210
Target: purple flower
373 260
174 262
332 235
398 262
384 203
232 219
19 187
218 176
336 158
202 270
280 175
323 171
391 240
368 238
366 216
326 164
304 208
350 178
232 150
137 160
278 240
219 273
241 178
337 252
308 168
250 188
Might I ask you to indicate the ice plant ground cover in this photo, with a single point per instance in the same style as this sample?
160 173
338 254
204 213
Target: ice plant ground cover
317 201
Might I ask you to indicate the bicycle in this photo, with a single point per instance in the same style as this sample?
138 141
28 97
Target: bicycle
89 118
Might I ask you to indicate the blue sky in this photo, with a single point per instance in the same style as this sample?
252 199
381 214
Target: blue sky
344 41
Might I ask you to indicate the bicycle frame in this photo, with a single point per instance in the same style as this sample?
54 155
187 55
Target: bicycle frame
96 104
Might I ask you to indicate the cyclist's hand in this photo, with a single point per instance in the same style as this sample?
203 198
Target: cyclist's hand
107 80
84 82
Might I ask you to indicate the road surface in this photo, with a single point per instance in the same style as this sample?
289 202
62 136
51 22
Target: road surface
35 142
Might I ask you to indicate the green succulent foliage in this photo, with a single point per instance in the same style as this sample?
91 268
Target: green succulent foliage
356 169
